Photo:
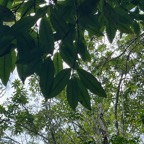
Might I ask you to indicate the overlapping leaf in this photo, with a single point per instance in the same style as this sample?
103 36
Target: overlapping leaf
58 64
72 93
46 77
69 54
46 36
6 14
88 7
60 81
110 31
83 95
7 64
25 70
24 24
82 48
91 82
27 49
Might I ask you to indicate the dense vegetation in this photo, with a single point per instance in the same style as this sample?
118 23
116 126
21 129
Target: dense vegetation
63 48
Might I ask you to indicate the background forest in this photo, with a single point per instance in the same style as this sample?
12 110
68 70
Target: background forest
79 68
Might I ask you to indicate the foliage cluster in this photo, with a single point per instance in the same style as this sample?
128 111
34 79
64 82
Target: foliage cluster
61 45
38 36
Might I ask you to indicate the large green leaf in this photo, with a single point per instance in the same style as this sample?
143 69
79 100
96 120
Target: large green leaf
7 63
91 83
27 49
66 10
58 64
59 24
110 31
6 14
27 7
87 7
46 77
136 28
60 82
124 28
23 24
91 24
5 45
6 40
25 70
68 54
82 48
72 93
83 95
122 16
46 36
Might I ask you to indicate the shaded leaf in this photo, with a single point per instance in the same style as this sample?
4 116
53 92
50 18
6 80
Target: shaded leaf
125 28
91 24
27 49
110 31
6 15
46 36
25 70
68 54
83 96
82 48
23 24
88 7
46 77
136 28
27 7
58 64
58 22
72 93
91 83
7 63
60 81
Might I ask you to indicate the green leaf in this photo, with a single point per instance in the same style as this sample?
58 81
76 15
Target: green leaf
110 31
136 28
6 46
7 63
125 28
23 24
27 7
27 49
83 96
88 7
46 77
25 70
66 11
6 15
46 36
6 40
91 24
72 93
58 64
68 54
58 22
91 83
122 16
21 69
60 82
82 48
41 11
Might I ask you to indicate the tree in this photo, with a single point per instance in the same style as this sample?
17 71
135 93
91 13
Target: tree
38 36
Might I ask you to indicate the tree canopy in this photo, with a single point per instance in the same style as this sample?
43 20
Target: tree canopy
64 21
73 51
38 36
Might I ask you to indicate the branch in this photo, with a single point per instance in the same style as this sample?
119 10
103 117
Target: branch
102 124
116 105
